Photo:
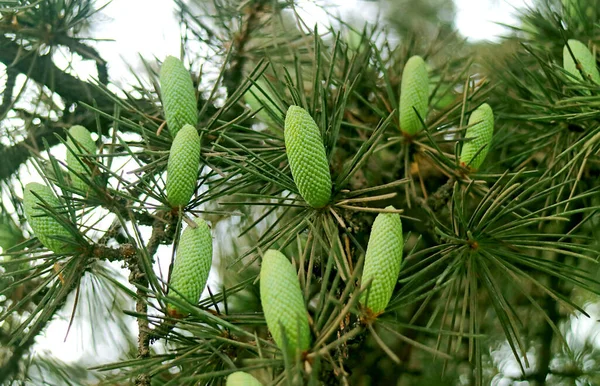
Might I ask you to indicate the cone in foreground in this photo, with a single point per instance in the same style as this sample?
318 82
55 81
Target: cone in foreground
414 95
48 230
382 261
307 157
283 304
178 95
584 57
240 378
182 167
80 142
480 131
191 266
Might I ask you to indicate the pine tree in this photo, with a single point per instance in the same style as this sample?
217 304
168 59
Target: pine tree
498 262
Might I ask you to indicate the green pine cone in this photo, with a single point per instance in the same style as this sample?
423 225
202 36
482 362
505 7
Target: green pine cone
382 261
240 378
584 56
85 145
282 302
178 95
414 92
47 229
182 167
191 266
307 158
481 129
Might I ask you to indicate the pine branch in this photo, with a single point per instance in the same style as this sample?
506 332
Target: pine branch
7 95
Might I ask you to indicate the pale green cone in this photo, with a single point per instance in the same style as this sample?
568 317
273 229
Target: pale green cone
85 145
584 56
382 261
240 378
414 92
307 158
481 130
191 266
178 95
282 302
182 167
45 227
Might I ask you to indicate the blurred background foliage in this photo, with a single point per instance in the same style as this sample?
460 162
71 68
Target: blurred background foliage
521 307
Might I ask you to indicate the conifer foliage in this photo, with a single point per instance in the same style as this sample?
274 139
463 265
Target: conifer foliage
283 203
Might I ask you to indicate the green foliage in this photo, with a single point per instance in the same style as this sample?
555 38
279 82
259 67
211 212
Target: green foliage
351 247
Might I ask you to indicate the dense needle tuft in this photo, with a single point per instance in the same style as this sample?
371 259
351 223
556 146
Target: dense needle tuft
307 158
282 302
414 94
178 95
382 261
191 266
480 131
48 230
182 167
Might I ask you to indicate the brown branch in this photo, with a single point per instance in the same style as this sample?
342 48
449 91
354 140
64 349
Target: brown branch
7 95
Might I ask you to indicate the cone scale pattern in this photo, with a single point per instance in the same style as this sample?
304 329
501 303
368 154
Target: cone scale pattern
85 145
481 130
307 158
239 378
178 95
45 227
414 92
182 167
584 57
382 261
282 302
191 266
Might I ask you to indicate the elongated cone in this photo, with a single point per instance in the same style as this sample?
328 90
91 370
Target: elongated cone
191 266
414 92
283 304
47 229
240 378
481 131
182 167
382 261
584 57
307 158
178 95
85 145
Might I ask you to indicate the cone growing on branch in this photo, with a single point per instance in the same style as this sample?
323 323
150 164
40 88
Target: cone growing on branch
240 378
191 266
414 95
178 95
307 157
283 304
480 131
51 233
80 142
584 57
182 167
382 261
